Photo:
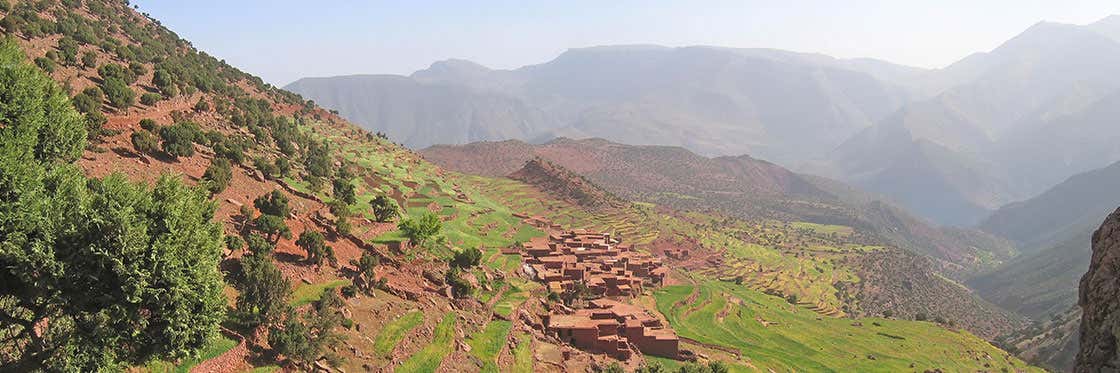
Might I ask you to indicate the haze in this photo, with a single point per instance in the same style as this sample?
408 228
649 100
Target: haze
286 40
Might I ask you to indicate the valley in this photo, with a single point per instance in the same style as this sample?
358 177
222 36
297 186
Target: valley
165 211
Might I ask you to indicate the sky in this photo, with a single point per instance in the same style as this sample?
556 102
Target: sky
284 40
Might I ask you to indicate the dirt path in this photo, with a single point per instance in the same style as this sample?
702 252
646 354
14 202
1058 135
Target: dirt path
231 361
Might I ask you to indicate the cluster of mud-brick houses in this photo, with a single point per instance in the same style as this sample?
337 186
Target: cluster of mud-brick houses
607 270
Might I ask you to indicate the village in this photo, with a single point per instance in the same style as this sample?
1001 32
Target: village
605 272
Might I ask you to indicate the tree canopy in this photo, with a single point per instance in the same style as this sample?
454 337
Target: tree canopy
421 230
97 273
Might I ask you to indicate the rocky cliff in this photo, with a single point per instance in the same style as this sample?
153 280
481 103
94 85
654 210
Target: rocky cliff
1100 302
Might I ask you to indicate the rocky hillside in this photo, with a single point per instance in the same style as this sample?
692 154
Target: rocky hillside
565 185
888 276
1099 298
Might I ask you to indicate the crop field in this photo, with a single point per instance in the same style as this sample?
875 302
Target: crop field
487 343
770 333
430 357
393 332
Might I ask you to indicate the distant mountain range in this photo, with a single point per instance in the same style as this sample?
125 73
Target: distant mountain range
714 101
951 144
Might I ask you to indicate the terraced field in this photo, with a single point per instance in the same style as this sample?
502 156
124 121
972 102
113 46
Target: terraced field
792 259
769 333
430 357
471 218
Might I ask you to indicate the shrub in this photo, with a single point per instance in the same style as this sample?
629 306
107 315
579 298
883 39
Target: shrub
217 175
119 94
89 100
315 246
267 168
234 243
150 98
202 106
148 124
89 59
467 258
178 139
144 142
46 64
422 229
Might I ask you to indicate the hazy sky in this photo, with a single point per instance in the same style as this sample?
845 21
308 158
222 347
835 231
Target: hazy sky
283 40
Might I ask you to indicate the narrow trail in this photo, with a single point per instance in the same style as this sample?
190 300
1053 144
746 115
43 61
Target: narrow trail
230 361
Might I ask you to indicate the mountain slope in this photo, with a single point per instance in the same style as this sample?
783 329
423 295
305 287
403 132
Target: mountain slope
739 186
714 101
1053 231
1098 298
987 127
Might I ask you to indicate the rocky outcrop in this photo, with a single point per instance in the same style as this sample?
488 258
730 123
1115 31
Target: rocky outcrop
1099 298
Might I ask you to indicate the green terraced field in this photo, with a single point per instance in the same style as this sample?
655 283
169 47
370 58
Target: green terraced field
523 354
307 293
773 334
394 332
488 343
429 357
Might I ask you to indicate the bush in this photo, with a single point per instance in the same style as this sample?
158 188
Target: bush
218 175
179 138
315 246
119 94
234 243
149 124
422 229
144 142
89 59
89 100
467 258
202 106
150 99
46 64
267 168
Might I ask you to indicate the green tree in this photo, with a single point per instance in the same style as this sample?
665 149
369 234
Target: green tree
165 83
272 226
344 191
218 175
467 258
367 266
384 208
421 230
263 290
273 203
259 246
313 243
89 59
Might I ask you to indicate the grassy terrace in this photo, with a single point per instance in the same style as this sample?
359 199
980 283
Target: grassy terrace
215 347
775 335
307 293
429 357
488 343
394 332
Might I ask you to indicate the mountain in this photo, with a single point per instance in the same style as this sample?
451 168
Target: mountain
1009 124
417 113
1052 230
1098 297
739 186
713 101
565 185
